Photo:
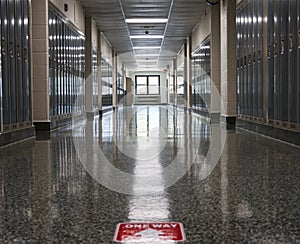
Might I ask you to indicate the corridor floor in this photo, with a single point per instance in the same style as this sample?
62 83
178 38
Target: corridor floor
150 164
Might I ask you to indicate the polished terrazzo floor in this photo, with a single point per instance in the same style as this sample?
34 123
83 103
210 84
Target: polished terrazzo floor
150 164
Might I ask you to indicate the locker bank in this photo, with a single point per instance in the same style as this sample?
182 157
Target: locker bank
141 121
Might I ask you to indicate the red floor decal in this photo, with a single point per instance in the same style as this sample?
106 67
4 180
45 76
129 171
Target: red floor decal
139 232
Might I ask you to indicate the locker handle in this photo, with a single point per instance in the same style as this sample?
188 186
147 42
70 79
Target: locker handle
18 52
3 46
282 46
275 49
25 54
11 51
291 43
269 51
254 60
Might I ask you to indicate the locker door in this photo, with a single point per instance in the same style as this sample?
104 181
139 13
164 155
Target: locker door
59 69
51 63
298 60
284 59
293 61
242 47
277 55
1 104
250 58
259 59
246 46
26 67
271 59
19 54
4 61
12 61
238 25
255 51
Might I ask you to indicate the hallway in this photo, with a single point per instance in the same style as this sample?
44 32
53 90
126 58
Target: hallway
150 164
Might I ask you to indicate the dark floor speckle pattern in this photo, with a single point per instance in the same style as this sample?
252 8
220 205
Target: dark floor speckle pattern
252 194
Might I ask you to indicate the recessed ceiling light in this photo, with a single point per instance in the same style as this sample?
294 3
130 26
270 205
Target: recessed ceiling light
147 55
147 47
147 37
145 21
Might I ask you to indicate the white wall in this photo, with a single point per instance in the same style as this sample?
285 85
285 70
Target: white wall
94 35
75 14
202 30
106 48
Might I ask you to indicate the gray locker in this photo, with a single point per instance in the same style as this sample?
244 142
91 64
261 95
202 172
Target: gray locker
26 61
4 63
250 61
12 61
255 60
298 61
293 60
270 59
245 82
1 106
284 59
259 58
19 61
238 62
277 55
242 71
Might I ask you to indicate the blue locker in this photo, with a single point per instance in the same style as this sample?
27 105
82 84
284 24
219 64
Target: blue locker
255 60
284 59
259 59
4 62
293 60
26 61
12 61
277 47
270 59
19 61
250 58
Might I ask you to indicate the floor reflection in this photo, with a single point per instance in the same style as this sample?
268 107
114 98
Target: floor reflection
252 194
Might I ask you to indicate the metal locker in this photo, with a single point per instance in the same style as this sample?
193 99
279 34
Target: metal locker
270 59
1 106
259 59
12 61
293 60
238 27
242 47
277 44
284 59
4 64
19 61
57 70
51 61
255 60
60 72
298 95
64 68
26 61
245 14
250 58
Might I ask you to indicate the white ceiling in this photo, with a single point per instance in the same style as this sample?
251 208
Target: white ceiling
110 16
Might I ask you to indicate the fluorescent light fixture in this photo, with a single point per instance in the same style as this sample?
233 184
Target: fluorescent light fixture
147 37
147 55
147 47
145 21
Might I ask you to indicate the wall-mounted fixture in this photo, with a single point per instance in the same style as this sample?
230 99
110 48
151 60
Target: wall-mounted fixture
66 7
